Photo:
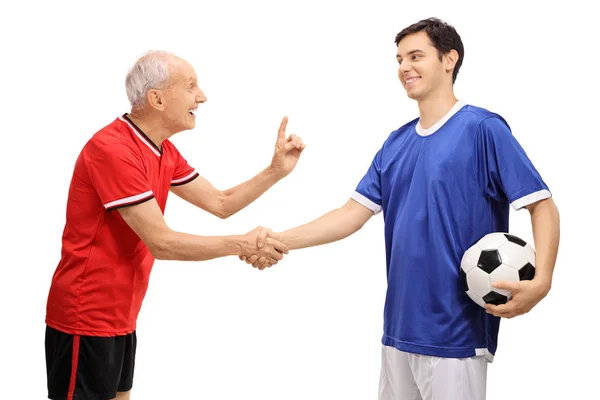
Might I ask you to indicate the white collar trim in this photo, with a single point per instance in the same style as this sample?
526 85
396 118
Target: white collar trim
426 132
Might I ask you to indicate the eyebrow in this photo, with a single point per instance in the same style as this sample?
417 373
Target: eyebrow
410 52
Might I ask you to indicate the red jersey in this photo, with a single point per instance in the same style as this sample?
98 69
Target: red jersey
102 277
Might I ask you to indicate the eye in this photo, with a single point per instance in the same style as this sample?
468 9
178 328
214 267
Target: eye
415 56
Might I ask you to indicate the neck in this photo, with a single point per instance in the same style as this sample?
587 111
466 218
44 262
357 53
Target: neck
432 109
152 126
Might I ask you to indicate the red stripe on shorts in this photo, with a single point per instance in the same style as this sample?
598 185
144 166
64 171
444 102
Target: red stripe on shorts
74 359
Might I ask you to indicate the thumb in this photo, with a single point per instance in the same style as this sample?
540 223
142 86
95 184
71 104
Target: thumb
273 235
261 237
506 285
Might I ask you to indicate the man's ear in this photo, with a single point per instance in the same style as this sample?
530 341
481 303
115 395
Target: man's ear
450 60
156 99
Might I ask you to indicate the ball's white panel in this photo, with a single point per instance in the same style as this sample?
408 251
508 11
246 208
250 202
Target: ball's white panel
469 259
513 255
504 273
479 282
476 299
492 241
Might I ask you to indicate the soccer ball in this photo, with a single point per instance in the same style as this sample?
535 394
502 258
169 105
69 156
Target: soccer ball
497 256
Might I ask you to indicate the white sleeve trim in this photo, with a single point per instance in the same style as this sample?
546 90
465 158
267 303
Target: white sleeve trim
184 178
359 198
128 200
530 199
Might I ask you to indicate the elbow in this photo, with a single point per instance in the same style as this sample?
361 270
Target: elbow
223 214
223 209
160 247
159 252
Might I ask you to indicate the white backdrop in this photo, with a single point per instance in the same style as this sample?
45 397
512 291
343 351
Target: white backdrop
310 328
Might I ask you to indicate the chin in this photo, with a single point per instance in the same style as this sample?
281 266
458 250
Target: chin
411 96
414 95
188 124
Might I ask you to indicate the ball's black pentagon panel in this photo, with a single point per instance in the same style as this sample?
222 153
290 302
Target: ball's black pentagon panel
463 278
516 240
527 272
495 298
489 260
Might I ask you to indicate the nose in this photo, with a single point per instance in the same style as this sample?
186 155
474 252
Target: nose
201 97
404 67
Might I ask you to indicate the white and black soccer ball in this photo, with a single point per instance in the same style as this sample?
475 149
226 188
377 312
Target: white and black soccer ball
497 256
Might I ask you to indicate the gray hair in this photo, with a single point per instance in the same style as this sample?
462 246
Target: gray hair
151 71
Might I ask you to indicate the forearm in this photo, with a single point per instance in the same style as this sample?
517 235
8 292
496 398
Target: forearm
545 223
333 226
187 247
240 196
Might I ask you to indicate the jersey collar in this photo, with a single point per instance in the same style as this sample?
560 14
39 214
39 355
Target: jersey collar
426 132
141 135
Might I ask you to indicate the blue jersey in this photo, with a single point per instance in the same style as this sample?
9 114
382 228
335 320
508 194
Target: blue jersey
441 190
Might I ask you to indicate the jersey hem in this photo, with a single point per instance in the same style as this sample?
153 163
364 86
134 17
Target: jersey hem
87 332
447 352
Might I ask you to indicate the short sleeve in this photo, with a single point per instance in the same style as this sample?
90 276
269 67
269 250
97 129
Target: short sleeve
118 176
183 172
504 171
368 191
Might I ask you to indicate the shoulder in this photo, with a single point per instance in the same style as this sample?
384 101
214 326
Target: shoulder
113 138
400 133
110 142
481 116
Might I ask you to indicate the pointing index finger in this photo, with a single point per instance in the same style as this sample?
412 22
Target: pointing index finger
282 126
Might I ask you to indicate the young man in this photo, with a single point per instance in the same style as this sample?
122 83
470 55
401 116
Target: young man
442 181
115 228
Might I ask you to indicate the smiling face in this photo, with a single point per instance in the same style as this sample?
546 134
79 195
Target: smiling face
182 97
422 71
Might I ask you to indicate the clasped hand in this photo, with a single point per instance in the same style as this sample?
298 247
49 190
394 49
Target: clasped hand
263 248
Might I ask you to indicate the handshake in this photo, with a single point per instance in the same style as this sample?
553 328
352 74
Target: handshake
262 248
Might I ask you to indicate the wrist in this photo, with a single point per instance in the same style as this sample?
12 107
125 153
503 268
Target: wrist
237 244
286 238
273 174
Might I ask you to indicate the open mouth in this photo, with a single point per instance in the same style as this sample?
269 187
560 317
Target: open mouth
192 112
412 80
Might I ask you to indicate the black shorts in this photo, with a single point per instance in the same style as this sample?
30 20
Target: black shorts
88 367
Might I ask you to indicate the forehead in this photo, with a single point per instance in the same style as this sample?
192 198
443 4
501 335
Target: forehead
182 71
415 41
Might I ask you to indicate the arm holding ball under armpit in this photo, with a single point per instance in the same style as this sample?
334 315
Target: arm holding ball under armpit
545 222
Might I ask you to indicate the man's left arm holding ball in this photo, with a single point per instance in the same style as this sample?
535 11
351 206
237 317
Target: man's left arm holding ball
505 172
545 223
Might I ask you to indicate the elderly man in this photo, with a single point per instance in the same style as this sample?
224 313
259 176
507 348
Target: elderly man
115 228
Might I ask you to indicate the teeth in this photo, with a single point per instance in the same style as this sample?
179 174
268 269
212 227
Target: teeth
411 80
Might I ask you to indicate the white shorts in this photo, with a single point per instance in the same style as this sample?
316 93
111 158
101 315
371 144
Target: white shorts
407 376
